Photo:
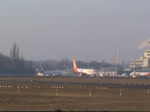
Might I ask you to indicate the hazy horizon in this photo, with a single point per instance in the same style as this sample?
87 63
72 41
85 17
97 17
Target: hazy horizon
86 30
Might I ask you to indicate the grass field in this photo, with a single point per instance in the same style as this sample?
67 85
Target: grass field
36 93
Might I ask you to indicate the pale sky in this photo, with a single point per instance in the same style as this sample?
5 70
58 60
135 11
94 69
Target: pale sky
82 29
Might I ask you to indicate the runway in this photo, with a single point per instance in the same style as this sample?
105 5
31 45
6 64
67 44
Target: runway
126 83
74 94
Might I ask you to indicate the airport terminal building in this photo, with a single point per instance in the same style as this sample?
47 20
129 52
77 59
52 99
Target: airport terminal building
142 62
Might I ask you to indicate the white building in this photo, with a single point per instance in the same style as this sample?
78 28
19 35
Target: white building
142 62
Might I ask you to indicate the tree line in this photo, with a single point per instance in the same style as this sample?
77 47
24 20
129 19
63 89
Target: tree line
65 64
15 64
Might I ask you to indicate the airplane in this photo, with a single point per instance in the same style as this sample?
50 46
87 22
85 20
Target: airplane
54 72
50 72
81 71
140 74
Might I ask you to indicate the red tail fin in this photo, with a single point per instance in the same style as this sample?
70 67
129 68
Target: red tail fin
75 67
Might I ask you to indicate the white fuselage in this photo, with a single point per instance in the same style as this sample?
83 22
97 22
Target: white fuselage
140 74
86 71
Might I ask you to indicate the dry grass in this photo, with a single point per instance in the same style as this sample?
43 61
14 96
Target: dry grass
72 97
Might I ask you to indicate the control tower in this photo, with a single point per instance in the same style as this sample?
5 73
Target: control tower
142 62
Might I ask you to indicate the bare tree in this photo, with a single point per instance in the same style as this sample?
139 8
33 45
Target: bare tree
14 53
